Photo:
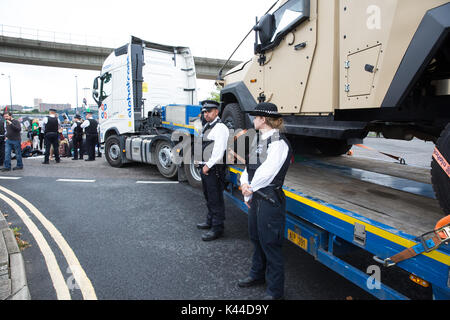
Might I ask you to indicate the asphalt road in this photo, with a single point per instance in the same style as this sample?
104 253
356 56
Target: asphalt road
139 241
415 152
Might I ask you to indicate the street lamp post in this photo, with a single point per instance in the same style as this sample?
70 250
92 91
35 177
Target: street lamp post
76 85
10 91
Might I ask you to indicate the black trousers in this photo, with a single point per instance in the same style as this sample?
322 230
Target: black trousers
2 150
266 223
51 139
91 141
213 187
77 145
41 139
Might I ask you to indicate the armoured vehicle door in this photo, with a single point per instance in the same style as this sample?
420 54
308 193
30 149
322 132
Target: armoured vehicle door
287 44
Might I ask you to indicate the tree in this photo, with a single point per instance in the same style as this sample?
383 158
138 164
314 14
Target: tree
215 95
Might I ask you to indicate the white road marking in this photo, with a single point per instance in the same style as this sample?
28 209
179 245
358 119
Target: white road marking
62 291
158 182
10 178
75 180
80 276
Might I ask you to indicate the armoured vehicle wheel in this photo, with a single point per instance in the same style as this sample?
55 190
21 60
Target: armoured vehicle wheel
166 167
439 179
233 117
113 152
332 147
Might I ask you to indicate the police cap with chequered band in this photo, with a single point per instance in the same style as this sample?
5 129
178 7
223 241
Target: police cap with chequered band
265 109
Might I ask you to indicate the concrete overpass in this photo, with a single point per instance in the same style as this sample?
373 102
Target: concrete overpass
55 54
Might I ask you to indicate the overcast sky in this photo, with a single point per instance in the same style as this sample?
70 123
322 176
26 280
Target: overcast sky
210 28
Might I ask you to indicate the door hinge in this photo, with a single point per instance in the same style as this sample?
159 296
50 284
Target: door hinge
262 59
261 97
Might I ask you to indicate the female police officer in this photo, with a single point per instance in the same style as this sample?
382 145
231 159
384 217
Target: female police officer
261 184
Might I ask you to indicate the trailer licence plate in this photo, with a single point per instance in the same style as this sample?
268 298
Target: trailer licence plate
297 239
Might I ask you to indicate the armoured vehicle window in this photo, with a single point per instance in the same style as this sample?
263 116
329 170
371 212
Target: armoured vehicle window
287 15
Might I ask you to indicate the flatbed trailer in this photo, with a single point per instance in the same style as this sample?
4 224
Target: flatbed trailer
343 207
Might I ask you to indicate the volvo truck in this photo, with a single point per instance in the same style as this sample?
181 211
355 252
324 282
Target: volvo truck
145 92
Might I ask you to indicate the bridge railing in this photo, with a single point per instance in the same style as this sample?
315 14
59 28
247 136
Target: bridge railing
93 40
59 37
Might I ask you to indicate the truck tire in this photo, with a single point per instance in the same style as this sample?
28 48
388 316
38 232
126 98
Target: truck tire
113 151
191 171
233 117
332 147
166 167
440 179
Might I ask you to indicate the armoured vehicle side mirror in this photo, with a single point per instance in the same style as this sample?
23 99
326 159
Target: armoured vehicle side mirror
265 29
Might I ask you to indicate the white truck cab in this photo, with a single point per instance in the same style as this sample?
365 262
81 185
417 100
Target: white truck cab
136 78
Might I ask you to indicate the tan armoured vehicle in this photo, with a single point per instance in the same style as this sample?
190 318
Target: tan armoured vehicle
338 69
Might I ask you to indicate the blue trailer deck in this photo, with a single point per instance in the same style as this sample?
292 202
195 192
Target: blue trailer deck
331 212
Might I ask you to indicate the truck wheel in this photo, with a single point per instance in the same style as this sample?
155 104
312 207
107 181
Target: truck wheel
192 172
332 147
440 179
163 156
233 117
113 151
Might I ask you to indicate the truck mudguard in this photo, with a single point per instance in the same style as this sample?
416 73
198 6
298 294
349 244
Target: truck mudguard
429 37
237 92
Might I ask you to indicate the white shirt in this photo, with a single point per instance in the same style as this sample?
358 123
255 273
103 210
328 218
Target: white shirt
220 135
277 152
85 123
45 121
74 125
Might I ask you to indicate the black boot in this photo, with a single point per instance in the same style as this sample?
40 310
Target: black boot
204 226
212 235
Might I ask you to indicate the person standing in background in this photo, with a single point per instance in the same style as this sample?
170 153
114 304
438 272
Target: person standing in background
51 126
13 129
90 128
77 138
41 133
35 134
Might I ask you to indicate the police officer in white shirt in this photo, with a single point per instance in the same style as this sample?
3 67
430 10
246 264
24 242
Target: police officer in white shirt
90 126
261 184
214 144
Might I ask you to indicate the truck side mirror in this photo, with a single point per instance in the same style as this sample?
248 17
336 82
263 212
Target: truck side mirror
95 85
265 28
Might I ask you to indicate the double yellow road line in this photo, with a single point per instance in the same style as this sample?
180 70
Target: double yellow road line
59 283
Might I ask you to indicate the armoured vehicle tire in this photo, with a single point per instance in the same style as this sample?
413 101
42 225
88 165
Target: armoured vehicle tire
439 179
113 151
233 117
192 173
332 147
166 167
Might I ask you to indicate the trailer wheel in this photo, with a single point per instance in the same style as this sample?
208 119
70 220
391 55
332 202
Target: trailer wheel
192 172
163 156
440 179
233 117
113 151
332 147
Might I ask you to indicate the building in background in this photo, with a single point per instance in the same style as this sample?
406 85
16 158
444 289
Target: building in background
45 107
37 102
